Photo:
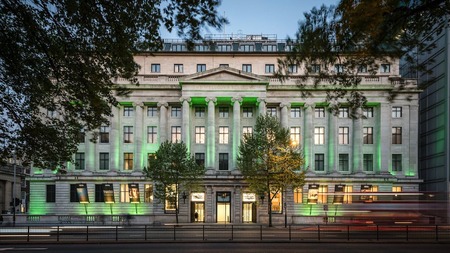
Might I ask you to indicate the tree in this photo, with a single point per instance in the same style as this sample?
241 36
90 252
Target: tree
59 59
269 161
173 169
357 36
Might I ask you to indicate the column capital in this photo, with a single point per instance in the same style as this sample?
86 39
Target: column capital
140 104
211 99
187 99
309 105
162 104
284 104
261 100
236 99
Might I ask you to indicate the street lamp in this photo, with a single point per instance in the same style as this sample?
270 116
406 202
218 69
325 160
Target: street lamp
14 190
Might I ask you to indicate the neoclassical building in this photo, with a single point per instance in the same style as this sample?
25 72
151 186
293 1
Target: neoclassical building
209 98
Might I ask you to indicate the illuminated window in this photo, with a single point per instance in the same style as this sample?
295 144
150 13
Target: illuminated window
104 134
348 189
224 112
148 193
396 189
272 111
322 194
295 136
368 112
223 161
319 135
201 67
199 111
200 134
176 134
178 68
396 135
128 111
270 68
124 193
104 161
319 162
319 112
277 202
171 198
368 162
396 112
128 134
200 158
152 134
368 135
155 68
343 112
128 161
152 111
344 135
247 131
247 112
298 195
175 112
343 162
295 112
396 162
223 135
247 68
50 194
79 161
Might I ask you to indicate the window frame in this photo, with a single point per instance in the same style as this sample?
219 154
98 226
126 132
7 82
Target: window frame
155 68
223 161
128 134
224 134
103 161
152 134
319 135
128 161
175 134
200 135
344 135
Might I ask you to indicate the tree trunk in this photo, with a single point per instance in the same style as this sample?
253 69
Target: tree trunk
270 211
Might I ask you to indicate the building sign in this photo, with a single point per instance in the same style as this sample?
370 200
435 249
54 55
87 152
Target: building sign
248 197
82 193
338 194
133 190
313 193
366 188
198 197
108 193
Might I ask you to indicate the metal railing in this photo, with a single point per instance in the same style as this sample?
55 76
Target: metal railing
229 232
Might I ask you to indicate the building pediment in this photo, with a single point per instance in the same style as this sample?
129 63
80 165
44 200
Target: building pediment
223 74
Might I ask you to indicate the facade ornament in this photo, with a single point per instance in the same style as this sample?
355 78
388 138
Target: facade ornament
162 104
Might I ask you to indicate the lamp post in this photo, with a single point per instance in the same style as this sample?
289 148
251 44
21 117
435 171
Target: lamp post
14 190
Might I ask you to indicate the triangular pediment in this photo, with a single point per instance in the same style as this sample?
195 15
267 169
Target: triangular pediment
223 74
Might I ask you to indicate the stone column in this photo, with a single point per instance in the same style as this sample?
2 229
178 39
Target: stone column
284 114
210 134
308 135
236 102
90 153
186 137
138 136
357 155
332 159
115 138
262 106
384 140
163 122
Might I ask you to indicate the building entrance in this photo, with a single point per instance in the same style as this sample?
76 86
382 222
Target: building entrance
197 212
248 213
223 207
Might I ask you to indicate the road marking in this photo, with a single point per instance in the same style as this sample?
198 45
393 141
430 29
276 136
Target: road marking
22 249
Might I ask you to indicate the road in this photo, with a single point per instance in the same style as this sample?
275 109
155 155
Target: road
228 247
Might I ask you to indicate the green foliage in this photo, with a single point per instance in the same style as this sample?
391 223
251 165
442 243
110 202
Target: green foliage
63 56
268 160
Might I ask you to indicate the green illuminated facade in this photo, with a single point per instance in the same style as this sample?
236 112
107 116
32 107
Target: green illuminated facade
209 98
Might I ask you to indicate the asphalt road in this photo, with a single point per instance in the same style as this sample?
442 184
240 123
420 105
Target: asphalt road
229 247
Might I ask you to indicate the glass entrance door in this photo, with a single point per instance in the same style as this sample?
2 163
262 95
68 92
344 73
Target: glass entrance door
223 213
248 212
197 211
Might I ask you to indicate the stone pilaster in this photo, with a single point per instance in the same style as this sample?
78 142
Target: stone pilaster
210 137
163 122
236 102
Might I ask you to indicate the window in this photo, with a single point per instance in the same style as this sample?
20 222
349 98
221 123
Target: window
269 48
79 161
298 195
200 134
224 65
178 68
128 134
343 112
368 112
103 161
152 111
224 112
171 198
81 136
272 111
339 68
292 69
348 189
322 194
150 159
99 196
200 158
396 162
277 202
315 68
396 112
319 162
50 194
368 135
223 161
124 193
199 111
223 48
247 48
176 134
51 113
396 135
385 68
201 48
104 134
319 112
247 131
295 112
362 69
128 111
178 47
73 193
319 135
152 136
155 68
295 136
128 161
148 193
175 112
247 112
247 68
343 162
223 135
344 135
396 189
201 67
270 68
368 162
